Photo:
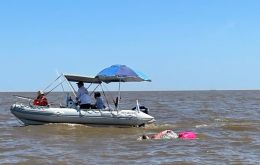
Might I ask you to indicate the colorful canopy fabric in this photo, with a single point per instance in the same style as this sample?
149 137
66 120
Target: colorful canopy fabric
115 73
121 73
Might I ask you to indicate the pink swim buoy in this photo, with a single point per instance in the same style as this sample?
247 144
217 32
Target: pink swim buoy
187 135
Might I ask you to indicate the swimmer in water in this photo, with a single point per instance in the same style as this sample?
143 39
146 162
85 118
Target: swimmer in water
169 134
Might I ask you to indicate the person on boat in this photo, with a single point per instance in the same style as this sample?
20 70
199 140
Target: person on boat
40 100
83 97
99 101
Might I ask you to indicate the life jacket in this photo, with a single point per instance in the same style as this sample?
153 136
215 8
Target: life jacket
42 101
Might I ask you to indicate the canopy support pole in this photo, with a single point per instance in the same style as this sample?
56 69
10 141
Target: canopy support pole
73 90
94 89
119 95
105 96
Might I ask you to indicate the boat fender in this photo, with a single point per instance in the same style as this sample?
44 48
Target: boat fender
142 108
187 135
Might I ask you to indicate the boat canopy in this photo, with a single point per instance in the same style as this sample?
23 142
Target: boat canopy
119 79
100 78
121 73
85 79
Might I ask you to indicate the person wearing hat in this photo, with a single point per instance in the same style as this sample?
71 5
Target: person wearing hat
40 100
83 97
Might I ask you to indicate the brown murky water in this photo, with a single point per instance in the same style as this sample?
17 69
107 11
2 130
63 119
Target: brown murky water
226 122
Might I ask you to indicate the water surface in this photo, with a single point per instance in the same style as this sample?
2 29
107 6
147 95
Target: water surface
226 122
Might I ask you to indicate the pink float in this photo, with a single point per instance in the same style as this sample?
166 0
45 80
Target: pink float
187 135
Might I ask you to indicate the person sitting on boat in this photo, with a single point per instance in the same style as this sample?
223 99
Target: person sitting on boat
41 100
83 97
99 101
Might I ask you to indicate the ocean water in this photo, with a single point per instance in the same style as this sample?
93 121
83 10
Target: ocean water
226 123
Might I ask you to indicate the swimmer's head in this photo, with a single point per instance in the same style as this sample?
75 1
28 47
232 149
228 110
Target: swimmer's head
145 137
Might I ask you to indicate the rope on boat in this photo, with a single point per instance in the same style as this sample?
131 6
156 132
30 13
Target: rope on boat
54 87
52 83
60 80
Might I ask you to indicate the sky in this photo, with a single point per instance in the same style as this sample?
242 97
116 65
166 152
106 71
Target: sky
179 44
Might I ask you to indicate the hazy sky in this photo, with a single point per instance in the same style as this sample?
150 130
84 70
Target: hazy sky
179 44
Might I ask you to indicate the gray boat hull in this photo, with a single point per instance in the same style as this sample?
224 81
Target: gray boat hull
31 115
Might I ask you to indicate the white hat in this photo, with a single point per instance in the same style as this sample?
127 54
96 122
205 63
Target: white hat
40 92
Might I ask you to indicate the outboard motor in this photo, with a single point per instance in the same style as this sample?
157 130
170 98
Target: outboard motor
139 108
70 103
